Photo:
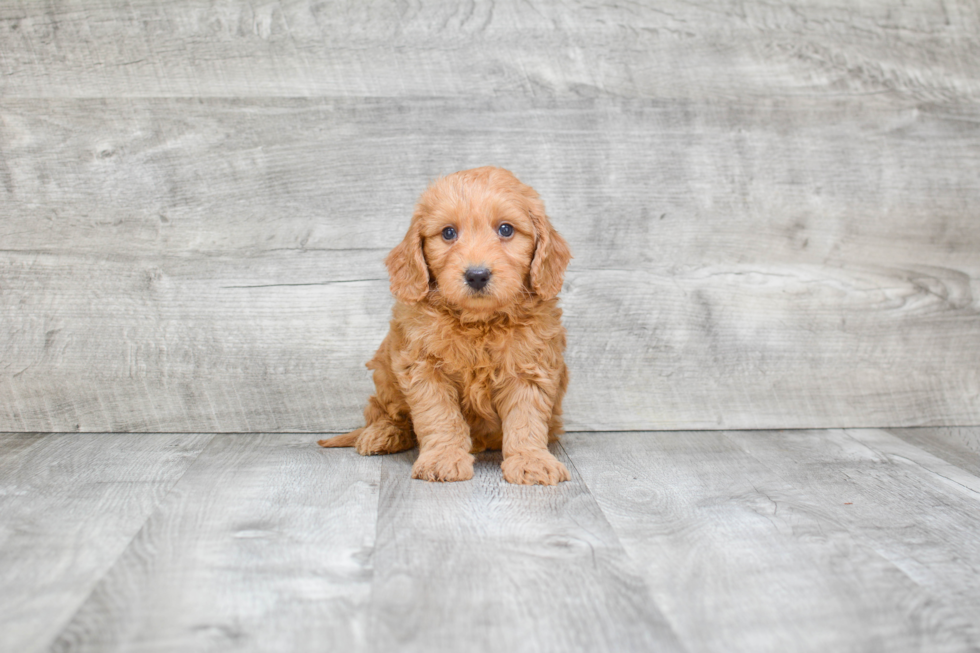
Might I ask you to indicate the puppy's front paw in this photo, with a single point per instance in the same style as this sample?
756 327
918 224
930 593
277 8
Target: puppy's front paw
534 468
443 465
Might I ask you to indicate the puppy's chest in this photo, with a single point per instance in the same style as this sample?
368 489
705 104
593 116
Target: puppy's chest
477 366
475 362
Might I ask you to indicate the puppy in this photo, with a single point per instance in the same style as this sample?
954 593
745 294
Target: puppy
473 359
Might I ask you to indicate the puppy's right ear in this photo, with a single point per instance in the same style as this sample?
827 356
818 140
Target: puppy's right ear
407 270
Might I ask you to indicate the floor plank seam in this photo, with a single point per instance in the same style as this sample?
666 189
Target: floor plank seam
633 562
122 551
866 543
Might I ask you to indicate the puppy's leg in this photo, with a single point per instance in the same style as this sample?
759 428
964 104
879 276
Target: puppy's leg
443 434
387 428
556 426
526 413
384 432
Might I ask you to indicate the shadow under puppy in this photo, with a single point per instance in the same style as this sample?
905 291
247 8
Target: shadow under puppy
473 359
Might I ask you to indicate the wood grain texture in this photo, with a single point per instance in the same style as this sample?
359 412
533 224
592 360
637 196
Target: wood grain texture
226 343
676 49
263 545
916 510
744 559
69 506
232 344
937 468
214 265
488 566
772 207
717 542
651 182
13 444
959 446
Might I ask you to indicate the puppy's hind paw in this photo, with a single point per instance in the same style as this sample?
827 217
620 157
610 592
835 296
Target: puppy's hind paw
443 465
381 437
534 468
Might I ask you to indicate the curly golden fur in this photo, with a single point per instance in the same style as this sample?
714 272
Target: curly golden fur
474 356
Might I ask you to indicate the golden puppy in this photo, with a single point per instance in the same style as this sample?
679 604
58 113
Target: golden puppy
473 358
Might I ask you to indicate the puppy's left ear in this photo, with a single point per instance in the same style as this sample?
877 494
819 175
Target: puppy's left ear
551 253
407 271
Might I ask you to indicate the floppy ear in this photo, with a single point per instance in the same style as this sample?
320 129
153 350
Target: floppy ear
551 254
407 271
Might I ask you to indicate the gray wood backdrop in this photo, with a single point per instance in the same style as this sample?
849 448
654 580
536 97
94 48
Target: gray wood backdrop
773 207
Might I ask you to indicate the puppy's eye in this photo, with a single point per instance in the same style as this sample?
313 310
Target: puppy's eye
505 230
449 233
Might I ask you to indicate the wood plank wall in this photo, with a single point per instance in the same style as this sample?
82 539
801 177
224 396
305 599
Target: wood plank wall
773 206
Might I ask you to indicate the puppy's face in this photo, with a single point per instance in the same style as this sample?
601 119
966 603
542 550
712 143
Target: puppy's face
481 239
478 243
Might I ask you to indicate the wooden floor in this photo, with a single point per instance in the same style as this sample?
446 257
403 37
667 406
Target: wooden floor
833 540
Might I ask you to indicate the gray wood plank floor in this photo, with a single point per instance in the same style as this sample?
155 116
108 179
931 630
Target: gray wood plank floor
827 540
69 507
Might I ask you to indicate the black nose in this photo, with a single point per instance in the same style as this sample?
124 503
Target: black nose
477 278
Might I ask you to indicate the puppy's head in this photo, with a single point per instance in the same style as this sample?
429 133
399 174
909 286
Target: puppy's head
481 239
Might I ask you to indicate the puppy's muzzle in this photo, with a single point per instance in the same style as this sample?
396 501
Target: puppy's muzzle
477 278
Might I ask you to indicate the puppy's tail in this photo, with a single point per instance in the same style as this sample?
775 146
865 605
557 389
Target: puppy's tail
345 440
